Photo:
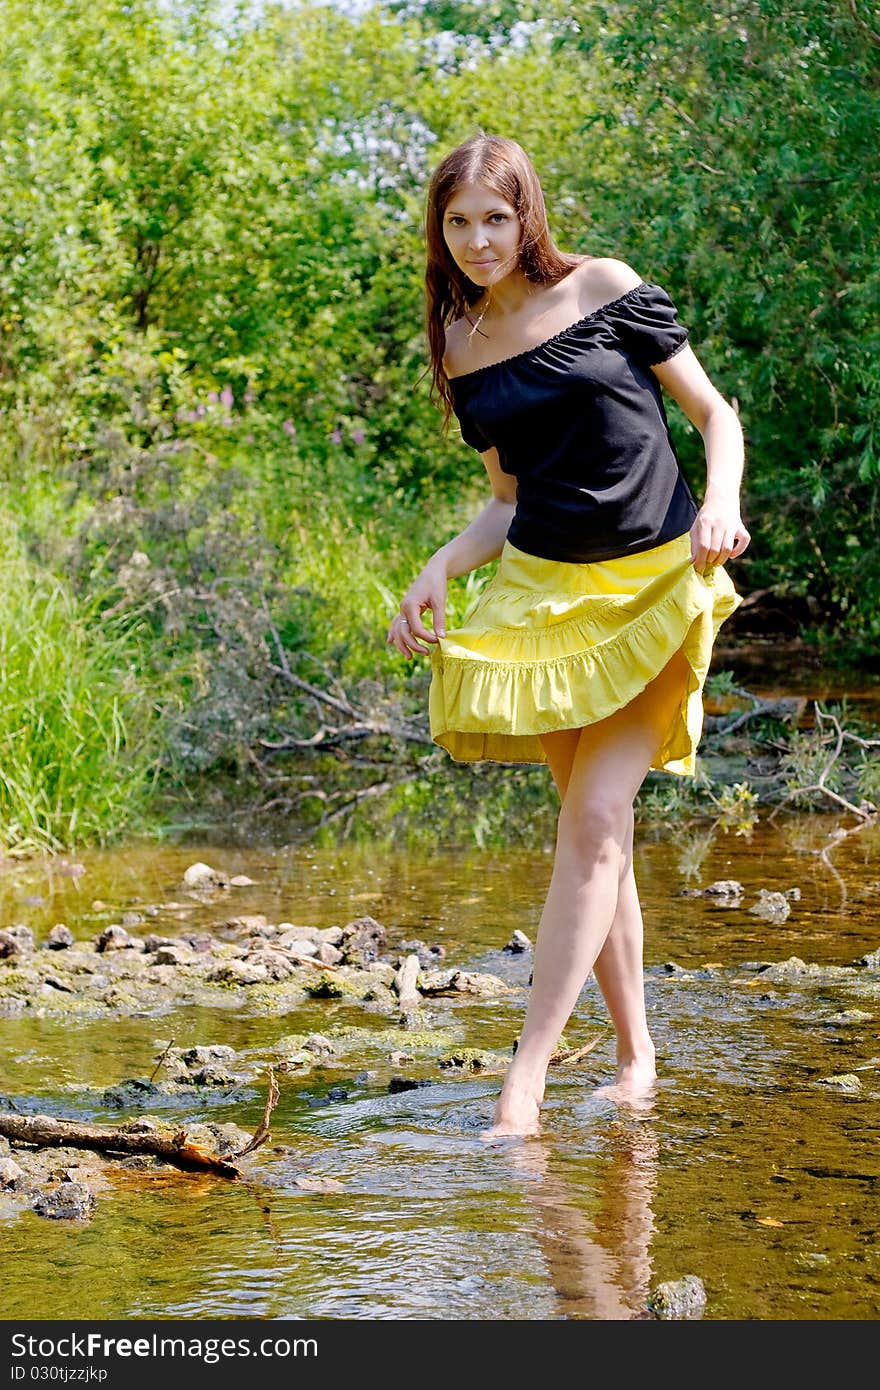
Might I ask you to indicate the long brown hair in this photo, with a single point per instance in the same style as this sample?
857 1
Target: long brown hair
503 166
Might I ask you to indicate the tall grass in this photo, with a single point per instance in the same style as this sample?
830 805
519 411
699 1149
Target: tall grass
77 752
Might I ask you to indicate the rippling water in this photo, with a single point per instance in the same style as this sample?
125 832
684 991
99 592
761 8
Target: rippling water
743 1170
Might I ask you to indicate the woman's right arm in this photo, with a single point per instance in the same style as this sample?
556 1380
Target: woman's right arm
476 545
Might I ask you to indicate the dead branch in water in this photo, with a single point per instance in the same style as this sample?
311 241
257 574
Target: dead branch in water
45 1132
262 1132
865 812
567 1059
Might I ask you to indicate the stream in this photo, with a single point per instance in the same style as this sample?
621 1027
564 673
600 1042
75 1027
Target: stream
754 1166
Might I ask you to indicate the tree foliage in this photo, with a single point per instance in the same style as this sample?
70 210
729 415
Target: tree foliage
213 385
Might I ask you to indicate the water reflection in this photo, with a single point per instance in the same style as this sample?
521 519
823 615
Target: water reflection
596 1243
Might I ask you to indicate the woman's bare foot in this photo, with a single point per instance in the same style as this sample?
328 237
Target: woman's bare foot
636 1073
635 1077
516 1112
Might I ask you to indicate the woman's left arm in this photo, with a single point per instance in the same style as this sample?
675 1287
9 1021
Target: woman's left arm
718 534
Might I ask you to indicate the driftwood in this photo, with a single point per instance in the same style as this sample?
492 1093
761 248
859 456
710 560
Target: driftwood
567 1059
262 1132
45 1132
405 984
867 811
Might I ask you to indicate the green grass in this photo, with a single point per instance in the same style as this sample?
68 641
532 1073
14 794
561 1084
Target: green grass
77 753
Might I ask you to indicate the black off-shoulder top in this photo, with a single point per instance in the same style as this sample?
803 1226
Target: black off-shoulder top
579 420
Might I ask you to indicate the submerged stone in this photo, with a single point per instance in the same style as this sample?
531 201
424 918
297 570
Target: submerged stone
678 1298
70 1201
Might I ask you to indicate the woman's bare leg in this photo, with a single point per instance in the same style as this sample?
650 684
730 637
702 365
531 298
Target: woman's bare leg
609 765
619 966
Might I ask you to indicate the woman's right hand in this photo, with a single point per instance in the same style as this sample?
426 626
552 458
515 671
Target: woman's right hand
428 591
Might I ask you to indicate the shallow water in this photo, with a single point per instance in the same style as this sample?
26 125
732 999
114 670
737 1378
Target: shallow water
743 1169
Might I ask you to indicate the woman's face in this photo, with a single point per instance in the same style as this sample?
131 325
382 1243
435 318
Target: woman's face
483 233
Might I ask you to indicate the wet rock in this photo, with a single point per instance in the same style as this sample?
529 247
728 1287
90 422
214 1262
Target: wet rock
428 955
24 936
134 1091
473 982
330 987
337 1093
408 1083
870 961
302 948
473 1059
399 1059
113 938
201 877
199 940
13 1005
275 963
206 1064
791 970
208 1052
132 919
152 942
385 973
724 892
320 1045
11 1175
679 1298
518 943
9 947
60 937
310 1183
847 1082
239 972
70 1201
16 941
363 940
461 982
253 924
177 954
55 982
773 907
847 1018
241 881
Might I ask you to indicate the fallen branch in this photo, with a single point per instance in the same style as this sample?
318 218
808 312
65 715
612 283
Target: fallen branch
45 1132
864 813
567 1059
262 1132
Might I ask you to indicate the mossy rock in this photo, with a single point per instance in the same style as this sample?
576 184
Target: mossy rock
473 1059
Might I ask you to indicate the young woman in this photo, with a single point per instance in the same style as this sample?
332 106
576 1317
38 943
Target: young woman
589 647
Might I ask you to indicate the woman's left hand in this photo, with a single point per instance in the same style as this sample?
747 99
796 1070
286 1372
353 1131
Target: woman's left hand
717 535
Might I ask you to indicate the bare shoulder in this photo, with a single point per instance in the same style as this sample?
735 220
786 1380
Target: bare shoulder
603 278
457 336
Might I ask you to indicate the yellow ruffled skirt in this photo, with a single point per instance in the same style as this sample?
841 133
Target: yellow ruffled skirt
550 645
